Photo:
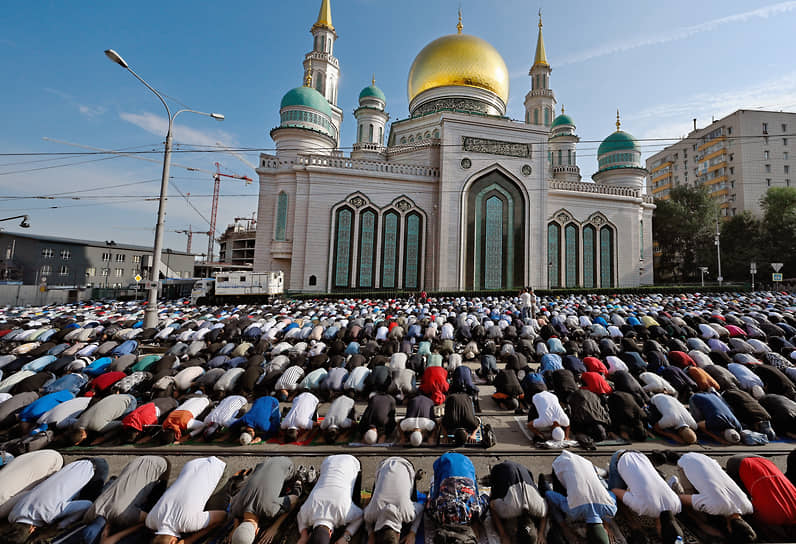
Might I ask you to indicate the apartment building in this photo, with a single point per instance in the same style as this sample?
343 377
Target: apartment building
737 158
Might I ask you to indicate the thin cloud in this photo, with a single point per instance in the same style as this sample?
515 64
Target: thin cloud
86 110
680 33
675 120
157 125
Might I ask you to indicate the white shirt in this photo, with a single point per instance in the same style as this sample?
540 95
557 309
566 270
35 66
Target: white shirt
300 415
578 476
717 493
356 378
647 493
330 503
195 405
181 508
289 379
675 415
615 364
549 410
45 503
746 377
655 384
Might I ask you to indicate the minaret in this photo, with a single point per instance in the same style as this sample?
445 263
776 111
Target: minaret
540 101
321 64
563 142
371 121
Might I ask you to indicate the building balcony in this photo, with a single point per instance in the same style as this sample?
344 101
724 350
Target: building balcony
367 146
281 249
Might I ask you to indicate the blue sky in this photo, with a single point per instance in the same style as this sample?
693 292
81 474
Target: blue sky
661 63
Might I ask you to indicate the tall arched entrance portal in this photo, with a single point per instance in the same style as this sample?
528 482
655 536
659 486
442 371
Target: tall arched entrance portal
495 242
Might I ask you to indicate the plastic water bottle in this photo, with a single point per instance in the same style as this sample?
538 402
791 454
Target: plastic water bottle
678 540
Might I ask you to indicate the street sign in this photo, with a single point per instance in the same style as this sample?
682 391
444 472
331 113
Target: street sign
777 276
138 278
753 268
720 279
776 266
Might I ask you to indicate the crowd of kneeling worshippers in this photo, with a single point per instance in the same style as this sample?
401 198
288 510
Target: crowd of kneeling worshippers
578 501
682 368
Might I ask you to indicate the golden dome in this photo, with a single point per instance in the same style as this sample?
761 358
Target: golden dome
459 60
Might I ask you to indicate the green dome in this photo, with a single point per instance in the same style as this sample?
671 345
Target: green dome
371 91
618 141
563 119
308 98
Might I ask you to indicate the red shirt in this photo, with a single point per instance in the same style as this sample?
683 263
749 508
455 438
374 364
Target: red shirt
104 381
773 495
681 359
435 383
593 364
595 383
141 417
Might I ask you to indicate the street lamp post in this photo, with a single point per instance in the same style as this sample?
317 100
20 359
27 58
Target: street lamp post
704 270
717 241
151 310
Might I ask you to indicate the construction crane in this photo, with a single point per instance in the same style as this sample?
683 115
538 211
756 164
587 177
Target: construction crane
190 234
238 156
214 208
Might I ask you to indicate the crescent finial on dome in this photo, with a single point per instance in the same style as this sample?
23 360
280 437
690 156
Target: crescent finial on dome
618 123
459 26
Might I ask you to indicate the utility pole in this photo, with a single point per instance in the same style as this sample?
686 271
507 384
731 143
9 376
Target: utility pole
703 270
753 271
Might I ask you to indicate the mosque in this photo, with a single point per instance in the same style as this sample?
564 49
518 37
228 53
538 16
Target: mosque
456 196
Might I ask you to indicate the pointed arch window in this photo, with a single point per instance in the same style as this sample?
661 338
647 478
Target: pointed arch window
560 154
344 227
547 117
536 116
381 135
571 254
553 254
367 248
569 157
606 257
370 133
359 139
281 217
589 256
413 244
389 250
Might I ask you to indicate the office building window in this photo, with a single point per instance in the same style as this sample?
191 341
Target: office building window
784 127
64 271
119 272
765 155
120 257
90 271
787 169
106 272
106 257
46 270
66 254
47 253
784 141
785 155
136 259
765 128
768 169
768 182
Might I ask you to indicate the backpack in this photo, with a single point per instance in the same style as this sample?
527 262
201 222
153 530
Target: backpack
489 439
457 502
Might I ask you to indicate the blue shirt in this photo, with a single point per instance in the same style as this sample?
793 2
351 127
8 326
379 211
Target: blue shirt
42 405
452 464
711 408
264 415
39 364
68 382
550 361
98 367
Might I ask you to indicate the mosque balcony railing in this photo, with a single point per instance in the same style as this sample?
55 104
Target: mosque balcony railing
317 55
565 169
384 167
541 92
582 187
367 146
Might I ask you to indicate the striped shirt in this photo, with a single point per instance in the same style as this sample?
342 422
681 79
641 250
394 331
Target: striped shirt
289 379
226 411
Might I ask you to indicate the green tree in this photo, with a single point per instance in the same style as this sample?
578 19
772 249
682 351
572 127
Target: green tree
683 227
779 228
740 246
